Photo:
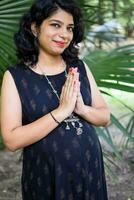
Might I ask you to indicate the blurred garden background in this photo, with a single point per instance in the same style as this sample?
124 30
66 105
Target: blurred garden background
108 49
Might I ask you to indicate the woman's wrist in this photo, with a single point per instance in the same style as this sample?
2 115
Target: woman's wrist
84 110
59 114
54 118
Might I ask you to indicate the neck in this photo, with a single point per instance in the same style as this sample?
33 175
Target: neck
48 61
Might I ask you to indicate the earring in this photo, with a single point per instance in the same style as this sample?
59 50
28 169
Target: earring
35 34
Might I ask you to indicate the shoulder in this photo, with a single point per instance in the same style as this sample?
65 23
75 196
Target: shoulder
15 71
12 74
87 68
88 71
8 74
8 77
16 68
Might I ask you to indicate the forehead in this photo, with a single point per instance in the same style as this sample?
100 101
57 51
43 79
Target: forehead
63 16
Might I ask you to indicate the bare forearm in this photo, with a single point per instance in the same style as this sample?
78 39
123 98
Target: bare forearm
28 134
96 116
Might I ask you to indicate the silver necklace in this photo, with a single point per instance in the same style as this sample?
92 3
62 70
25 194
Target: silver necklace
72 119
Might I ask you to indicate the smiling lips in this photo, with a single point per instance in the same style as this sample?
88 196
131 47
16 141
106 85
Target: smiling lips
60 43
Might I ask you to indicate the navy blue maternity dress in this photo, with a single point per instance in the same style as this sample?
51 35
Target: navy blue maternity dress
62 165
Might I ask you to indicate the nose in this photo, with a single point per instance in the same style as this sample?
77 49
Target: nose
63 33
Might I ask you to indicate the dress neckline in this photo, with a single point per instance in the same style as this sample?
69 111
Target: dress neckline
41 75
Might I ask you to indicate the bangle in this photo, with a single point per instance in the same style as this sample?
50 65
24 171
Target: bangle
54 118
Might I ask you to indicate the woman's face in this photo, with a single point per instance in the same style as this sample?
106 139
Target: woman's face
56 33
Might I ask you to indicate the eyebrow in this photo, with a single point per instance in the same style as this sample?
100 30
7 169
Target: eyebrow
55 20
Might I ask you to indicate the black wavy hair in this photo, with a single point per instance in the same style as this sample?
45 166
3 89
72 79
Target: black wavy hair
27 44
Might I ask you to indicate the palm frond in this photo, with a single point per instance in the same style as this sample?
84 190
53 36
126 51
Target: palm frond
10 13
114 69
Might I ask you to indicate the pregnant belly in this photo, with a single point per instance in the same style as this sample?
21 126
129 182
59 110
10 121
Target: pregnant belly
66 145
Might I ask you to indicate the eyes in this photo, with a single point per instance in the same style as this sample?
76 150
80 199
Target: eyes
56 25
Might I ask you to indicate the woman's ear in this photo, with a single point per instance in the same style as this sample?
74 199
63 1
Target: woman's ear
34 29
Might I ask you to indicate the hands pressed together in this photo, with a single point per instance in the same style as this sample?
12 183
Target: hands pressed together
71 98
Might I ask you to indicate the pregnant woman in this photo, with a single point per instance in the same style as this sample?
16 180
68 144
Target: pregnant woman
49 104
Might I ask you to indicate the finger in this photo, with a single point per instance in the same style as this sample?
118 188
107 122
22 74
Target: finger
61 95
71 84
65 86
79 88
75 80
79 96
75 90
67 83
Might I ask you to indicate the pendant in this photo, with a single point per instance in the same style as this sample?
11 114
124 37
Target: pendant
67 127
71 120
80 124
79 131
75 122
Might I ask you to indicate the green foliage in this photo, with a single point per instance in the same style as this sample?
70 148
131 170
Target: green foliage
10 13
113 69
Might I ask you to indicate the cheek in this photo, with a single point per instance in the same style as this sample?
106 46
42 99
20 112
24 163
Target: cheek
71 36
44 38
46 33
70 39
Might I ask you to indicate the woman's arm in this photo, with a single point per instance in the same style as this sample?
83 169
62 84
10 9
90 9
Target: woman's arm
98 113
15 134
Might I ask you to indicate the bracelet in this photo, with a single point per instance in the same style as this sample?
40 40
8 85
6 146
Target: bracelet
54 118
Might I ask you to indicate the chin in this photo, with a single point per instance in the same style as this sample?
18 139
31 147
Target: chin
56 53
